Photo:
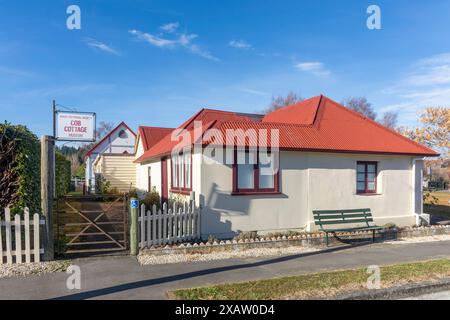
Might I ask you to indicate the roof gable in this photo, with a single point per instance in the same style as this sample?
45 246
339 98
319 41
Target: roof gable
98 144
151 135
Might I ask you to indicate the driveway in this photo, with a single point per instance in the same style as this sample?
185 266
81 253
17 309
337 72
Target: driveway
122 277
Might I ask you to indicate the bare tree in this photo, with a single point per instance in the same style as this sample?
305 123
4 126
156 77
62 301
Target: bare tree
389 119
280 101
360 105
103 129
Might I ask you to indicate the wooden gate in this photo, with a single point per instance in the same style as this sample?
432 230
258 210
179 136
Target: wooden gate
91 224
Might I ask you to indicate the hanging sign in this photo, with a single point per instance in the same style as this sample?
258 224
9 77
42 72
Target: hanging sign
75 126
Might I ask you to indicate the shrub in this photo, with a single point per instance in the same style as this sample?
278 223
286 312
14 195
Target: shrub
19 168
62 175
246 235
152 198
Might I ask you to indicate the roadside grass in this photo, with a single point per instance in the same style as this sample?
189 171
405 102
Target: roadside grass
318 285
442 207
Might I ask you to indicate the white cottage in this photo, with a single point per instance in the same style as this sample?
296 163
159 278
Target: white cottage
322 156
119 141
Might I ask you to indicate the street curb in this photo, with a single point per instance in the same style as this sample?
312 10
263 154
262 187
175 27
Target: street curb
406 291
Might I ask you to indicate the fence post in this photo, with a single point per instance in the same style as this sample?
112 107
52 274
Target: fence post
134 208
47 192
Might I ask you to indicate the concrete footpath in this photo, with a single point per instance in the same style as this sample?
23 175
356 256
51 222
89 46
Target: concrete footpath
122 277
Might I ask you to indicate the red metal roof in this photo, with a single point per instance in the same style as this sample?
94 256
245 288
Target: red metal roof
316 124
106 137
151 135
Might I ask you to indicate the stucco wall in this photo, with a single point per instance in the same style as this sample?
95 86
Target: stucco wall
308 181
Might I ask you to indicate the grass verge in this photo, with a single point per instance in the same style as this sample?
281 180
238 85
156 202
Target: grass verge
441 207
318 285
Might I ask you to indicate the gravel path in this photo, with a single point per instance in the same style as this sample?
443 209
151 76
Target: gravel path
442 237
147 259
20 270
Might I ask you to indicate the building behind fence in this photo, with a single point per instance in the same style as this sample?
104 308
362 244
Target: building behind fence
168 226
20 238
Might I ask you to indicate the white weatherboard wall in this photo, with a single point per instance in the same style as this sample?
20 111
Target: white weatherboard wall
112 144
309 181
118 169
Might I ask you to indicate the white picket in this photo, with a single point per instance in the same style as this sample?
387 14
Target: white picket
154 225
18 238
164 225
169 226
27 235
8 236
149 228
142 236
37 248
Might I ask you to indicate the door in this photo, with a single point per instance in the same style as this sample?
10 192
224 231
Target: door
164 181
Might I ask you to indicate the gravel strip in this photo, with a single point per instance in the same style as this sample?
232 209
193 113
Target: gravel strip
148 259
21 270
441 237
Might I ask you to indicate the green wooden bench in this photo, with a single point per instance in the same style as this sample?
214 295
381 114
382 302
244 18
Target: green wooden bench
329 218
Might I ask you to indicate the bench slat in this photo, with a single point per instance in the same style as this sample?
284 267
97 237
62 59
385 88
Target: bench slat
339 216
344 221
341 211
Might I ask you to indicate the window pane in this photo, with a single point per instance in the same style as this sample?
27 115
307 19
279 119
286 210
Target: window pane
266 181
371 186
175 172
371 168
187 163
371 177
245 176
361 168
361 186
361 176
181 171
266 171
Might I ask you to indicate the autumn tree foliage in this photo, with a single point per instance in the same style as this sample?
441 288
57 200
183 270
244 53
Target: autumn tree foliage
434 130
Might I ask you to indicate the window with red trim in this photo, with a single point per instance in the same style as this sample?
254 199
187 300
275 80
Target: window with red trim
255 172
181 166
366 177
149 179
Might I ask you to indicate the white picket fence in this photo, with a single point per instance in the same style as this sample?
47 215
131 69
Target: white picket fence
15 238
167 226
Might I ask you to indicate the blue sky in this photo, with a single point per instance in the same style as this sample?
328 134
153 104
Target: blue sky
157 62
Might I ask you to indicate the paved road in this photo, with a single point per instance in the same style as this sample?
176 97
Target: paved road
123 278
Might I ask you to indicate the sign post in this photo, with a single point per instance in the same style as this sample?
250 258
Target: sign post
134 208
67 126
47 192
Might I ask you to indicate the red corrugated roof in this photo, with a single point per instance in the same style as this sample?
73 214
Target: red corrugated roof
151 135
316 124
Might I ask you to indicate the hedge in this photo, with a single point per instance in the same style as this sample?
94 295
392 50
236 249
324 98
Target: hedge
19 168
62 175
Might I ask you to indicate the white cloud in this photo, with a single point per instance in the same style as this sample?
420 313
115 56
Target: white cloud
183 40
254 92
16 72
101 46
316 68
426 84
170 27
240 44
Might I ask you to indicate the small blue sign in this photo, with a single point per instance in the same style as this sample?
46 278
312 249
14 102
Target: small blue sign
134 204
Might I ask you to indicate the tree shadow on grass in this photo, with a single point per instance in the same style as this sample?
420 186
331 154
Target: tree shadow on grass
151 282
